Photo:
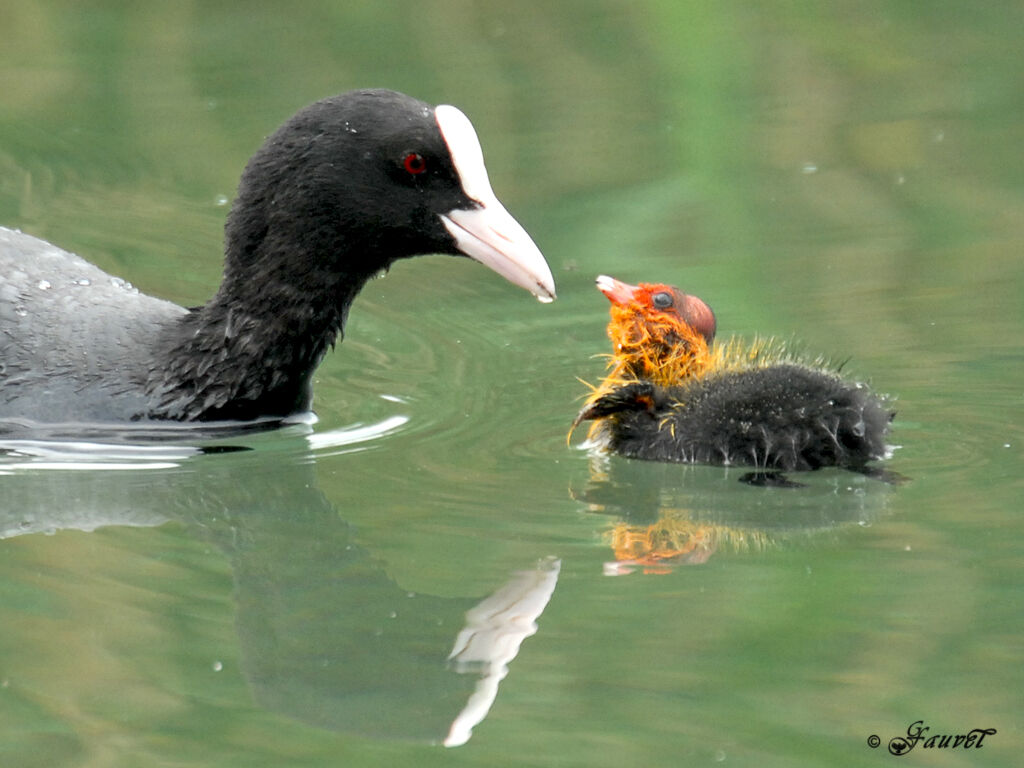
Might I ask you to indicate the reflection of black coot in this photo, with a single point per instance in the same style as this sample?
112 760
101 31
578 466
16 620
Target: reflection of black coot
325 636
329 639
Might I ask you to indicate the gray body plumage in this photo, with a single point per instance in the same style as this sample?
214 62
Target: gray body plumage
60 358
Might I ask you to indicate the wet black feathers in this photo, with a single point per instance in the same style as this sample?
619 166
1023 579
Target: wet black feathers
785 416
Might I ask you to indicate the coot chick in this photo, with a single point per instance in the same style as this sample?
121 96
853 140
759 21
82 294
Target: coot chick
673 395
343 189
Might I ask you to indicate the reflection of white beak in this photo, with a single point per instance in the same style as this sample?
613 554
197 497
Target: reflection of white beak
495 628
488 233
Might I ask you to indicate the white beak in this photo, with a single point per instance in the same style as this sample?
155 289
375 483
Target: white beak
488 233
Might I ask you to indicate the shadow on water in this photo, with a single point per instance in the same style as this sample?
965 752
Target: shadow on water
663 515
326 635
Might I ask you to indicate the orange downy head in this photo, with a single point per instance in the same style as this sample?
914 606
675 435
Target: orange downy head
658 332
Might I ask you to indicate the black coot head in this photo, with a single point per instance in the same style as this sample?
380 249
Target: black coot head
354 182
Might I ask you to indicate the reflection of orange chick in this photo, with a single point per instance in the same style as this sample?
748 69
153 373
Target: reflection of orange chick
675 539
660 545
672 395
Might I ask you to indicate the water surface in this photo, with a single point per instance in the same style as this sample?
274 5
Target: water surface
845 175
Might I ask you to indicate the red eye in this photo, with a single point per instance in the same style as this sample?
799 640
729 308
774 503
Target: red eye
414 163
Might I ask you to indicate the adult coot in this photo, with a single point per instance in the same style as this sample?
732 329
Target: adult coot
673 395
344 188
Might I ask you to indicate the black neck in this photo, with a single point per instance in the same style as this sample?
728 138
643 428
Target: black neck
252 349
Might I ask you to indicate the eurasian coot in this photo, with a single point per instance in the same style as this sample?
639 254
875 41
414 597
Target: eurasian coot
673 395
344 188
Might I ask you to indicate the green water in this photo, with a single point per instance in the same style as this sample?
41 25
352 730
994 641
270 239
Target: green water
845 174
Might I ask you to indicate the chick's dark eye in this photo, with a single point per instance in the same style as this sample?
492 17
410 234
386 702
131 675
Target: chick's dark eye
414 163
662 300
